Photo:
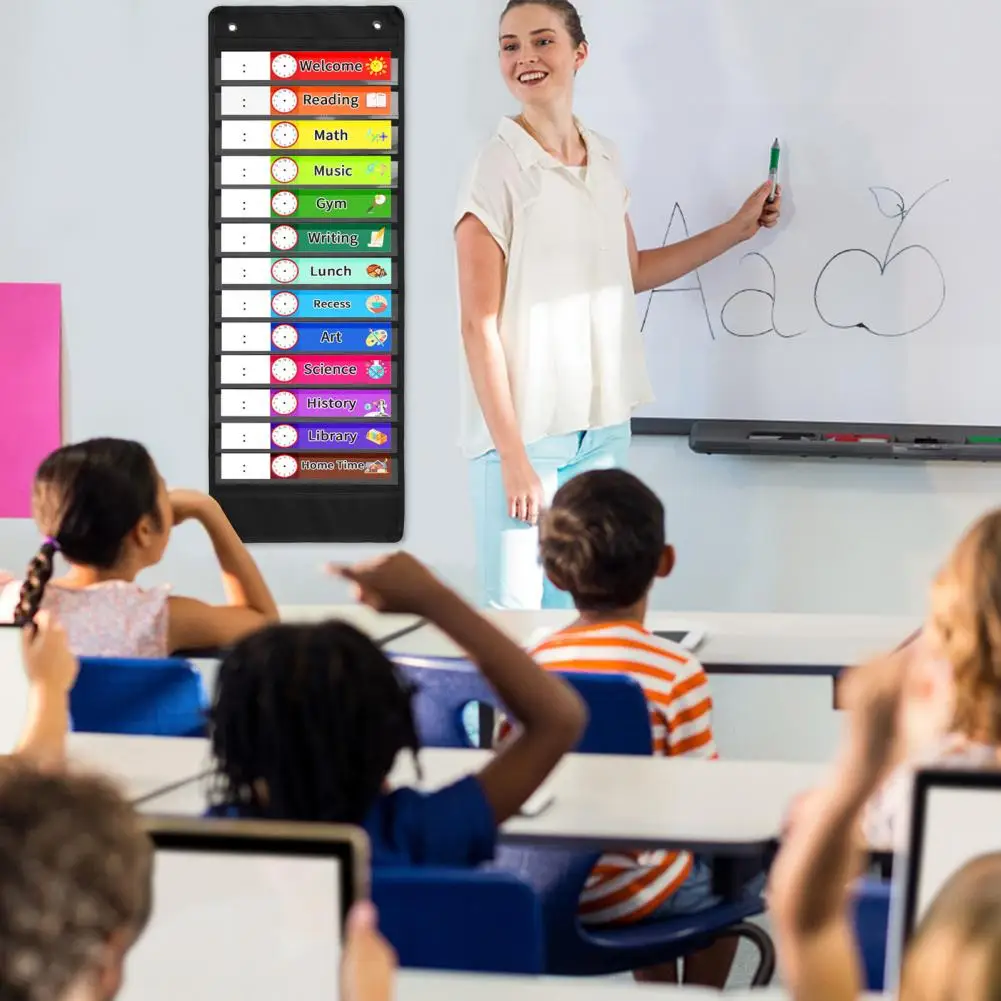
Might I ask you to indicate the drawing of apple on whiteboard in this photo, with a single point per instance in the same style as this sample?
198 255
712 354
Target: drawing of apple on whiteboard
890 296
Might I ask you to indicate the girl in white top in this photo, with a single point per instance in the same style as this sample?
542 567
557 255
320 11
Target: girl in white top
548 269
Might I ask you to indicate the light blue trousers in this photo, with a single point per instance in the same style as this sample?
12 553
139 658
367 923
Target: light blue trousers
510 573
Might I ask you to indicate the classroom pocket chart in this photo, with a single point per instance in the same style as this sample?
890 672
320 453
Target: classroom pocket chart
306 269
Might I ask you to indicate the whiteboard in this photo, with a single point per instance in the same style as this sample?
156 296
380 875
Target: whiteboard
891 165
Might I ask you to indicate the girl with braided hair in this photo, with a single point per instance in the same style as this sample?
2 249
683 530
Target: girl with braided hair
104 507
307 721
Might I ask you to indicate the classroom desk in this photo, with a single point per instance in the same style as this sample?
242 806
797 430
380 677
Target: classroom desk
735 643
601 802
421 985
597 802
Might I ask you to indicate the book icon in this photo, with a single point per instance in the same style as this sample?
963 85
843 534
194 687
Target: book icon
377 239
376 99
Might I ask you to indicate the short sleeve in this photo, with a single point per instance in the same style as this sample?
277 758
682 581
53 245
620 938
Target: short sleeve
617 169
452 827
486 194
10 590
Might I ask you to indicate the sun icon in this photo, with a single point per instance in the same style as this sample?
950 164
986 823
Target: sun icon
378 66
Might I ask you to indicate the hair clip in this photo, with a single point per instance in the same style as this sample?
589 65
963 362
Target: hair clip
50 541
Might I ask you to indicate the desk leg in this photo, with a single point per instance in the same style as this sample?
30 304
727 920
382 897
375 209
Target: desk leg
487 722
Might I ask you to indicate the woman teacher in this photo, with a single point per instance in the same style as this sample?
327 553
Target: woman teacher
548 268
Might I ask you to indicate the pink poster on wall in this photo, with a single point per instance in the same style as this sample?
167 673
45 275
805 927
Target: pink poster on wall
30 394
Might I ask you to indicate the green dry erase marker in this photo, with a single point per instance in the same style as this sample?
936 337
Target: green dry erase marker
773 169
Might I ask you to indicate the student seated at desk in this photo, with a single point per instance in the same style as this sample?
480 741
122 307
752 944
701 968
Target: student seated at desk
76 873
603 541
104 507
307 721
952 699
956 950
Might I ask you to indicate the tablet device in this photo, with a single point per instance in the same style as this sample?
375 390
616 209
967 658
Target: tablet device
955 818
14 688
246 909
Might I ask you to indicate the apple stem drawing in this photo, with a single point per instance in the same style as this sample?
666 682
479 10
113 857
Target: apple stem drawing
757 291
895 208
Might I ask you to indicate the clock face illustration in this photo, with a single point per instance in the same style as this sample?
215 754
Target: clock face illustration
284 466
284 435
285 134
284 202
284 170
285 303
283 65
284 403
285 271
284 369
284 100
285 337
284 237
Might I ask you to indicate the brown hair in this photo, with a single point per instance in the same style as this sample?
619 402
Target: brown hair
967 616
964 917
566 10
75 869
602 539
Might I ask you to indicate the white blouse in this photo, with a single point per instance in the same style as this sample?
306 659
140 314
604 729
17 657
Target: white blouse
568 321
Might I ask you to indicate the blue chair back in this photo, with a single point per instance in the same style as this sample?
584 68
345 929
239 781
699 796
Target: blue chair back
619 720
871 912
455 919
159 698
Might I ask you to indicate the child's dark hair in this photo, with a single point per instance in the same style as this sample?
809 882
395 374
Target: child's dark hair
566 10
306 723
602 539
75 870
87 498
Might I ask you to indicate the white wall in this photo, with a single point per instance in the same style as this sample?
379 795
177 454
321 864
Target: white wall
103 188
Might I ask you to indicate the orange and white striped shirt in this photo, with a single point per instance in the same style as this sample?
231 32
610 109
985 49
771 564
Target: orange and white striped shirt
624 888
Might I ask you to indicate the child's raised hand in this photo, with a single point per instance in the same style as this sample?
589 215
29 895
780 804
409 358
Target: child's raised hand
46 654
368 964
393 583
875 697
189 504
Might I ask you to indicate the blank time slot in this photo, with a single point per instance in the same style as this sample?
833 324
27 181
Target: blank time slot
245 135
245 270
245 403
244 169
245 370
245 466
245 238
245 101
245 337
245 204
243 436
246 305
244 66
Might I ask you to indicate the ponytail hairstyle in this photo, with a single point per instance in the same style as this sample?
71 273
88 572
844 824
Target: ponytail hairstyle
602 539
566 10
87 498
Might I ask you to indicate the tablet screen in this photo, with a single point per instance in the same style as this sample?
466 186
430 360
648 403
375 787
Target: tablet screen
239 925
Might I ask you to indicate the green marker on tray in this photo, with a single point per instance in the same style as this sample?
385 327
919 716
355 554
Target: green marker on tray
773 169
984 439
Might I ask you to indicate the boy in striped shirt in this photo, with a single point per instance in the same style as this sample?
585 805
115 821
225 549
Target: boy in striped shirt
603 541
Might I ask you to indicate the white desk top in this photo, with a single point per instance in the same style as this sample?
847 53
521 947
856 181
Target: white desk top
732 639
419 985
597 802
605 802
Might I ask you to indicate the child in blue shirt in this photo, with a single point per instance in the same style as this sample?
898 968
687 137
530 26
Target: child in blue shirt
307 722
